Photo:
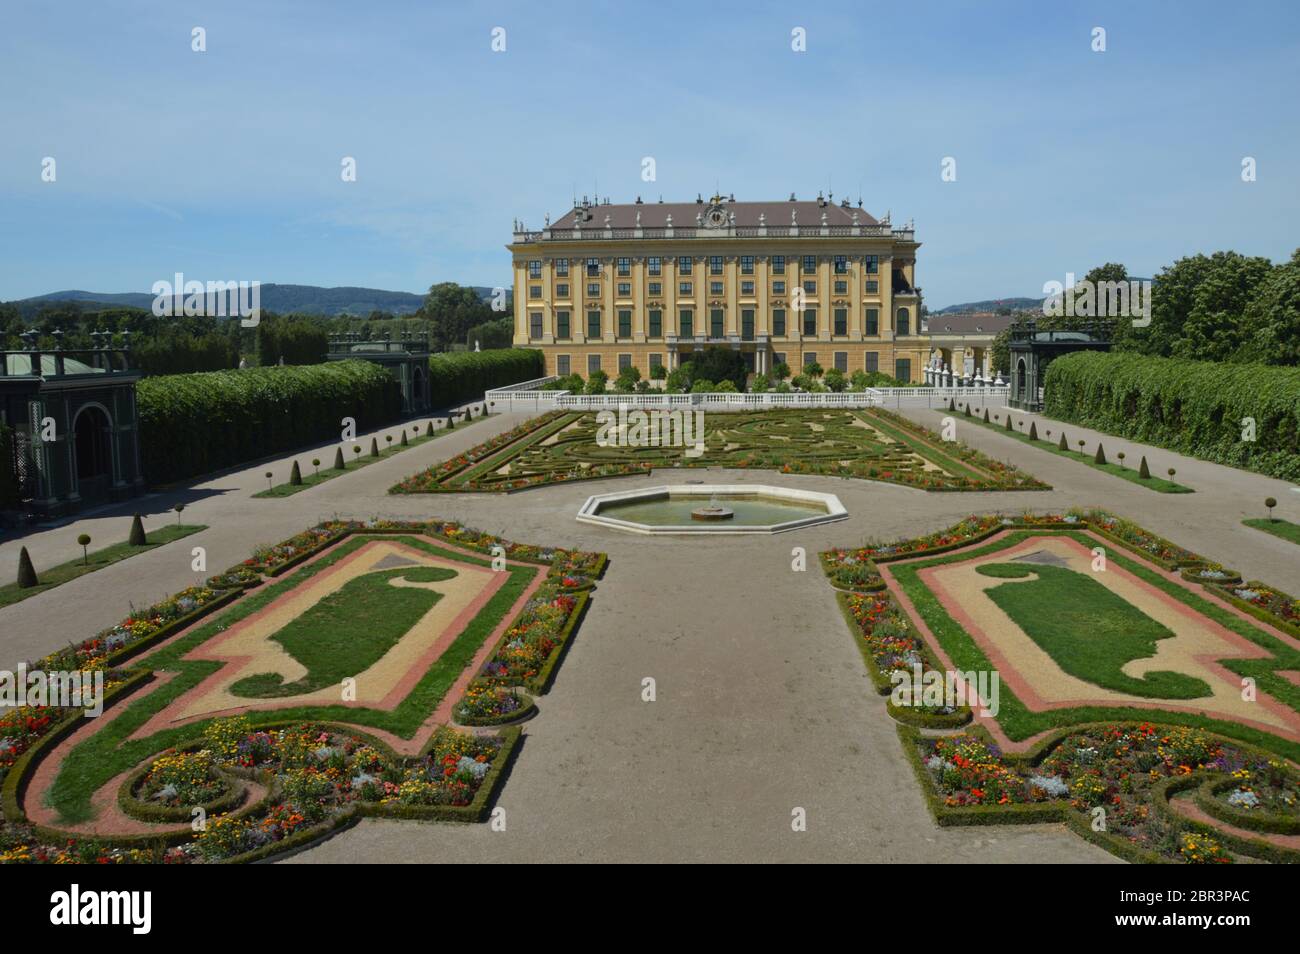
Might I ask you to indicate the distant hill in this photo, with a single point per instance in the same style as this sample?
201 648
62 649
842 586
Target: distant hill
991 304
304 299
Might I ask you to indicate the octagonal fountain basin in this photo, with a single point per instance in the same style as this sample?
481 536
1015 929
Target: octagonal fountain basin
712 509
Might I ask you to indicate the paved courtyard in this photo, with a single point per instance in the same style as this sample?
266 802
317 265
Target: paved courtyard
763 704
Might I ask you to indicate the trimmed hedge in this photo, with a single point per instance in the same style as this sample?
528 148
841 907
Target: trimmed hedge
462 375
1194 407
198 423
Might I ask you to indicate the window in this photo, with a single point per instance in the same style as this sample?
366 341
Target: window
716 323
810 286
625 323
656 323
535 269
747 324
593 268
873 321
593 363
593 289
654 264
778 322
624 267
562 270
715 288
778 288
562 365
810 321
904 322
624 289
903 369
562 324
593 324
873 361
534 291
686 323
715 264
747 264
841 361
841 264
778 264
873 286
656 288
778 357
810 263
683 288
684 265
809 357
747 288
624 362
873 264
562 290
534 324
841 321
841 288
655 360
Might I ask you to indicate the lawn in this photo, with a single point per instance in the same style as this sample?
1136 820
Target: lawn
1090 631
312 475
96 560
1279 528
865 444
349 630
1112 466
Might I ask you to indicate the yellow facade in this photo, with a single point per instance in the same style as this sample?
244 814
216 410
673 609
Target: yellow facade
627 285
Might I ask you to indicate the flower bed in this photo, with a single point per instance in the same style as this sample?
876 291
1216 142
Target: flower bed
1116 776
487 703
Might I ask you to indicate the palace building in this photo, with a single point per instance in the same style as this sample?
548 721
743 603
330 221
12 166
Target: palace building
646 284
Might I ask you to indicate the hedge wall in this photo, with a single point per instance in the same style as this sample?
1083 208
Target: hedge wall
197 423
463 375
8 479
1194 407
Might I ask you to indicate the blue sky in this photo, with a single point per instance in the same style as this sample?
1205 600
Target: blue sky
225 165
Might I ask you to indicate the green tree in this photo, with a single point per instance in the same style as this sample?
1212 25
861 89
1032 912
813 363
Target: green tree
597 382
451 310
1271 322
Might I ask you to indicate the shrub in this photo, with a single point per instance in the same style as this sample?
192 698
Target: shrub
1269 504
295 475
459 375
986 415
339 462
1100 458
137 538
1143 471
198 423
26 572
1033 431
84 540
1063 444
374 447
1195 407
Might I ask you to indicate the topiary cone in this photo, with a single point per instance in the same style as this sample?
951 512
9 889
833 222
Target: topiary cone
26 572
339 462
450 422
1009 426
1101 454
295 475
952 405
405 442
1033 431
1063 444
137 537
428 428
986 415
967 411
1144 472
374 447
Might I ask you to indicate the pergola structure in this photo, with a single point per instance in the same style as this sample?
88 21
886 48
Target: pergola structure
1032 351
406 358
73 424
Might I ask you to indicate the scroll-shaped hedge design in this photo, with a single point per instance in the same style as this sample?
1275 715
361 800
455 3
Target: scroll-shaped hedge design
1200 408
197 423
